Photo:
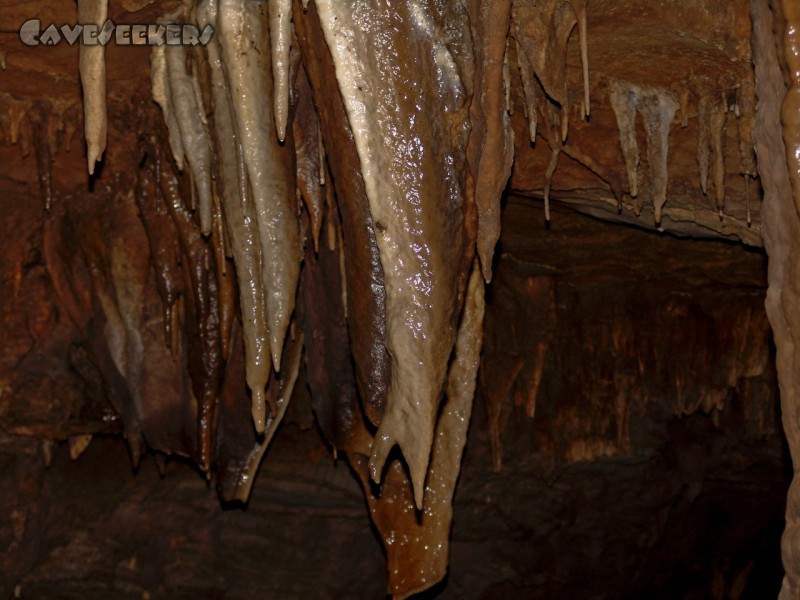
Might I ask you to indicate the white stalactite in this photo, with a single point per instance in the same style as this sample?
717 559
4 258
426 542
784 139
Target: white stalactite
93 81
624 100
159 83
194 137
280 35
658 108
718 118
240 221
246 57
579 6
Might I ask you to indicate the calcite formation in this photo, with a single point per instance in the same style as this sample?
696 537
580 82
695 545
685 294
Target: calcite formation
93 80
316 193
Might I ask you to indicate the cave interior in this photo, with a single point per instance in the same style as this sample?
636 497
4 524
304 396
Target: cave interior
405 298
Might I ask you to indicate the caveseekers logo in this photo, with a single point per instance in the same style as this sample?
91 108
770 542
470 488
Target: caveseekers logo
31 34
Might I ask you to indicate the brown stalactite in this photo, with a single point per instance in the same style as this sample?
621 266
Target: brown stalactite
164 248
491 143
417 541
309 158
718 118
226 290
279 392
43 144
624 101
329 369
202 327
543 31
704 111
235 434
168 412
366 295
74 262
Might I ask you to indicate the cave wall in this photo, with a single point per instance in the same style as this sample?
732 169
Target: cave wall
779 235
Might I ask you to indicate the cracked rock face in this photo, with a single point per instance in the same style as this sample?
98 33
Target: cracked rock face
308 211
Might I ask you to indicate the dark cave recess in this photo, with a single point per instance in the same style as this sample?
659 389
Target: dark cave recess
653 467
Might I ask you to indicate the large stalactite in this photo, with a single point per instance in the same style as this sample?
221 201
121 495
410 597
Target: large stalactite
317 195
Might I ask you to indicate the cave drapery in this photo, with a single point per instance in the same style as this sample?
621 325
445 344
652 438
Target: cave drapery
315 195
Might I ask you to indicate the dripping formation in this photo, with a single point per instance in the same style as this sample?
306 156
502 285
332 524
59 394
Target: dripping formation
290 160
243 176
93 80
